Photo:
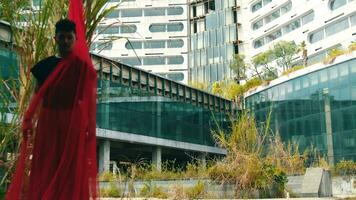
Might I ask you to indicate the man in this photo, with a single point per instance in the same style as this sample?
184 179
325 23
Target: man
58 154
65 38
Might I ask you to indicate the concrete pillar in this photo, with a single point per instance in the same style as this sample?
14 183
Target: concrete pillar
104 156
202 159
329 132
157 158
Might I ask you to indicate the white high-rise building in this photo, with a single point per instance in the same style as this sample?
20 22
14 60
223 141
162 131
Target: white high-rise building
149 34
322 24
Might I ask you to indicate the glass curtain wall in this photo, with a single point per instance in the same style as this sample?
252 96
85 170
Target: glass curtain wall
212 49
300 109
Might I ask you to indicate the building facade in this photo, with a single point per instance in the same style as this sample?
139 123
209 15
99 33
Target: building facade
213 38
322 24
148 34
315 106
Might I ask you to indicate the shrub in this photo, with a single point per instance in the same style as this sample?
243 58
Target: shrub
293 69
197 191
346 168
111 191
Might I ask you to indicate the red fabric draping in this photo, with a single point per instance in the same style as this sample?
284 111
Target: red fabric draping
58 160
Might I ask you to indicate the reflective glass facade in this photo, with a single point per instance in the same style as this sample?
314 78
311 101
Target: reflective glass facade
213 40
125 109
311 107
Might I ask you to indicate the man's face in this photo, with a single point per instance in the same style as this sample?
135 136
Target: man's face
65 41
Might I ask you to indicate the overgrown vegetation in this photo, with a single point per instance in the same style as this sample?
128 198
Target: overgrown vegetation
246 165
32 32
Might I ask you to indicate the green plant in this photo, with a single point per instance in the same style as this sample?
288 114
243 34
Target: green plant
332 54
107 176
239 67
197 191
302 47
352 47
199 85
246 164
293 69
283 52
345 168
111 191
177 192
158 192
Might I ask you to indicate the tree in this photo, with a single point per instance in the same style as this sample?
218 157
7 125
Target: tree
283 52
264 60
238 66
302 48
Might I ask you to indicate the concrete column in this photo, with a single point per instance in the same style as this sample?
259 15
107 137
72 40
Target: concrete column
329 132
157 158
104 156
202 159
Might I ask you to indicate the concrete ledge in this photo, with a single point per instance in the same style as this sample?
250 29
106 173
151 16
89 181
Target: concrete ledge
142 139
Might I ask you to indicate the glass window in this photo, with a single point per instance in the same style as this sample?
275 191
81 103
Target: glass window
113 14
292 26
211 21
286 8
272 16
343 69
131 13
206 39
233 35
128 29
36 2
323 76
133 45
203 57
157 28
308 18
175 60
103 46
316 58
334 4
257 24
130 61
273 36
220 36
176 76
314 79
155 12
305 82
337 27
258 43
212 38
265 2
353 20
175 43
316 36
175 27
229 17
256 6
155 60
297 84
175 11
333 73
109 30
156 44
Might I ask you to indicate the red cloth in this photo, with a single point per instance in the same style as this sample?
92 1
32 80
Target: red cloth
58 160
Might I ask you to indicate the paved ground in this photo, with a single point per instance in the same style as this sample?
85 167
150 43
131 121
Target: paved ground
228 199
